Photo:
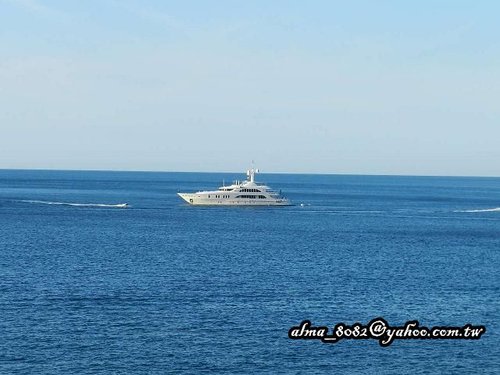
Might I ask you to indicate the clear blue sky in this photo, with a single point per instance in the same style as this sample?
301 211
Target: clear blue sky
370 87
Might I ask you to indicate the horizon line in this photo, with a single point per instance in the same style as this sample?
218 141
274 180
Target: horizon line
239 172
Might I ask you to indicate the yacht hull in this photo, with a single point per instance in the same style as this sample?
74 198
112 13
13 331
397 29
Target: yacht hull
203 200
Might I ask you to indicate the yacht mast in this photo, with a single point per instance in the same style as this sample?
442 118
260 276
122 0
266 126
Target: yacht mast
251 174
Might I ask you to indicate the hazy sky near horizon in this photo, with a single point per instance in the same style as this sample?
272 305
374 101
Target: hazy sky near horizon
369 87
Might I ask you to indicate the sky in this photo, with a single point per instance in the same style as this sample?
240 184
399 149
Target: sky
358 87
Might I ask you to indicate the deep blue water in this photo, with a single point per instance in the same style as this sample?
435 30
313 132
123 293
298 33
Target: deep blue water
163 287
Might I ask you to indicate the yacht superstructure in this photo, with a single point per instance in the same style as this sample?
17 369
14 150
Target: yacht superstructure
240 193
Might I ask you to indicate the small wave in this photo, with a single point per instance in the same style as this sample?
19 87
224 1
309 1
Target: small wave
497 209
119 205
334 211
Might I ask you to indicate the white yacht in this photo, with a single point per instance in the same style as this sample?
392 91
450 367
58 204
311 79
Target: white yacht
240 193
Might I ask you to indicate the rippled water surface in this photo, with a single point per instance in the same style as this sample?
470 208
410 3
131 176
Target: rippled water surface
89 285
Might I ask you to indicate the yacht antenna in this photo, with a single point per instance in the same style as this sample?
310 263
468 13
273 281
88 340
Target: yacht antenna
251 174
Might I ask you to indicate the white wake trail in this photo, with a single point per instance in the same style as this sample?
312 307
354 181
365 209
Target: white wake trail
119 205
497 209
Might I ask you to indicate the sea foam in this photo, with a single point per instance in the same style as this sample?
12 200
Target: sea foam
119 205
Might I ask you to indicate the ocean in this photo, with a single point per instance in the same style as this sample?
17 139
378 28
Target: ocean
160 287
